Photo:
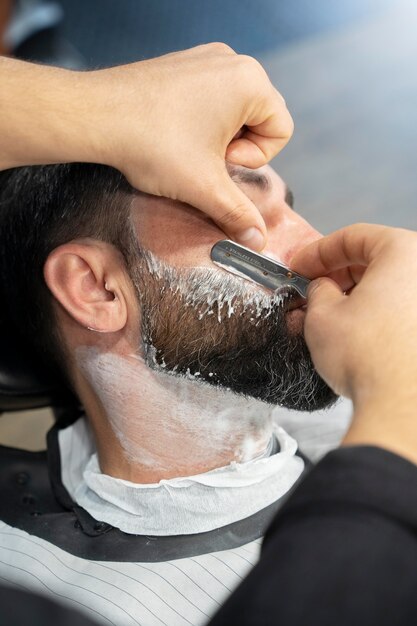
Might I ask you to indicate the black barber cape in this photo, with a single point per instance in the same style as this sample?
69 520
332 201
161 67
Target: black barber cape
35 500
50 543
341 552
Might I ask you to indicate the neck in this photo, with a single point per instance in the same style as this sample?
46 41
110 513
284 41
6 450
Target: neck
152 425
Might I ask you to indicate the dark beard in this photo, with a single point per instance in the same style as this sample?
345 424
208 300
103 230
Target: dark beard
251 352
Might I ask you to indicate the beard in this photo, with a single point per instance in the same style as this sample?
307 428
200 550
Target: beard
206 324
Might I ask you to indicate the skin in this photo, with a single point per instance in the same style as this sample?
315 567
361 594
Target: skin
168 124
194 233
364 345
93 290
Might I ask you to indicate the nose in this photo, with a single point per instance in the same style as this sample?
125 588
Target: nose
287 235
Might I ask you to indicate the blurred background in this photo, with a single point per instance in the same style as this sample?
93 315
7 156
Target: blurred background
346 70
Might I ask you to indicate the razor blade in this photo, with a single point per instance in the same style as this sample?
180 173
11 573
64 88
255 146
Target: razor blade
256 267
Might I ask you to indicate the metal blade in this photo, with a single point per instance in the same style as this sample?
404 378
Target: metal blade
256 267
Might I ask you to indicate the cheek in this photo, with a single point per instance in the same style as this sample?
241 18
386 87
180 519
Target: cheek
179 236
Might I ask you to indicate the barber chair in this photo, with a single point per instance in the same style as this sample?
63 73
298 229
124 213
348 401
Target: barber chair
31 498
25 383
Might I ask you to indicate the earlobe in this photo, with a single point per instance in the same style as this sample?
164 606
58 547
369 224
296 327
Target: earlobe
86 279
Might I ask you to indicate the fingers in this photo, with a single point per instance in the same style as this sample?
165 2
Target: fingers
230 208
259 144
323 298
267 131
354 245
348 277
243 151
363 344
323 293
253 150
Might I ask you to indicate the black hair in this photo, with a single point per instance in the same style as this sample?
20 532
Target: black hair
42 207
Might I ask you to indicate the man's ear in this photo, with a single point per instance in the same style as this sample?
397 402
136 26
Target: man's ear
88 278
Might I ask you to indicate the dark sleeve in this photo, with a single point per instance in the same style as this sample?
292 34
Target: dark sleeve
22 608
342 551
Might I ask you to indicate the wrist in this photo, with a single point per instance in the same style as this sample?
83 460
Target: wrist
46 115
112 94
387 421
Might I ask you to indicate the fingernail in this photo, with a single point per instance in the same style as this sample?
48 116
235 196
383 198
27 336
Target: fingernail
251 238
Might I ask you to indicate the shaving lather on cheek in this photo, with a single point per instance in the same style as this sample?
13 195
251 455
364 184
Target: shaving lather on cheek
256 267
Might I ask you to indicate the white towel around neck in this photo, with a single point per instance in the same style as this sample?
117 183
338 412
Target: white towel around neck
179 506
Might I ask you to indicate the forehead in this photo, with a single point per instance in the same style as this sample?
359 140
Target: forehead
172 229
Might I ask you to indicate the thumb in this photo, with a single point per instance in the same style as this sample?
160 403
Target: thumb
322 295
231 209
325 331
323 292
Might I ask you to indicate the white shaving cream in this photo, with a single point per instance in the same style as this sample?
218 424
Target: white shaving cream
165 421
162 419
219 291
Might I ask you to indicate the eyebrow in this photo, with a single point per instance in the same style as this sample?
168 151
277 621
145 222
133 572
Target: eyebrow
259 180
250 177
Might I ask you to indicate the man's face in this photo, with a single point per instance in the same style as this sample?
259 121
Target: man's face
198 320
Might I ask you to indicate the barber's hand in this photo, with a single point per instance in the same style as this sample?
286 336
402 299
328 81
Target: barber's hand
365 344
169 124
